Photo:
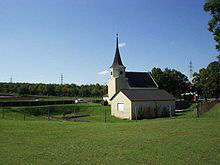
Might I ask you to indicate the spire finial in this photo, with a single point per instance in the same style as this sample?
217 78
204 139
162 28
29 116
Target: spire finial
116 40
117 60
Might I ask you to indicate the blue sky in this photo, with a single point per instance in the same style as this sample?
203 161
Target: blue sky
42 39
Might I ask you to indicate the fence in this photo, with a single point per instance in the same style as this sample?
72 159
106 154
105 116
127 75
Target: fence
203 107
38 111
36 103
68 112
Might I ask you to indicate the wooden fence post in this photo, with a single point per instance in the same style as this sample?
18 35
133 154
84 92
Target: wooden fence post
48 114
197 109
203 108
3 113
136 114
24 115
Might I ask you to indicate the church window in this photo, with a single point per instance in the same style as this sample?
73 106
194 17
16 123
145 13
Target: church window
120 107
121 72
111 73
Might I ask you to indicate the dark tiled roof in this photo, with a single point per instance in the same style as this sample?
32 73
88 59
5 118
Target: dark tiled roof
140 79
117 60
146 95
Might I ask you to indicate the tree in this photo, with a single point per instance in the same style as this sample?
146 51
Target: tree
200 82
207 81
213 7
92 90
170 80
23 90
213 70
157 74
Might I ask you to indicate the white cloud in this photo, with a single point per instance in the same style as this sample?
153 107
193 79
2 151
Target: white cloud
103 72
121 45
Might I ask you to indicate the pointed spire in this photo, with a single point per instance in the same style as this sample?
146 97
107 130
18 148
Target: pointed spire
117 41
117 60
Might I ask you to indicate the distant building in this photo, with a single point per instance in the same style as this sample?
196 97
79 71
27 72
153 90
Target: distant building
136 94
190 96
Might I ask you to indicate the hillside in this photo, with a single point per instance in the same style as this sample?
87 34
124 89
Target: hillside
181 140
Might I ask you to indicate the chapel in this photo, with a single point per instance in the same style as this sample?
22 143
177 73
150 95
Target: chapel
135 95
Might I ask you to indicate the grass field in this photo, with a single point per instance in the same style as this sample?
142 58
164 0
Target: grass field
181 140
96 112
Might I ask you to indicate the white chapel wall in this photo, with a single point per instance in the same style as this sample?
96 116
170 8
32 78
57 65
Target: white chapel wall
121 99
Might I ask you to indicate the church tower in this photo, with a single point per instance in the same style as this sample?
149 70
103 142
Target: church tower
117 79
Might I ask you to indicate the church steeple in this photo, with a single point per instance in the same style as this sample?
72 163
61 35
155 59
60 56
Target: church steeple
117 80
117 60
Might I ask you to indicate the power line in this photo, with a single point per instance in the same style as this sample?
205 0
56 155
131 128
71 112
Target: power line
11 79
190 70
61 79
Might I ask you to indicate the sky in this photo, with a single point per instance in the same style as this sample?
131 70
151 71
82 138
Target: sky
40 40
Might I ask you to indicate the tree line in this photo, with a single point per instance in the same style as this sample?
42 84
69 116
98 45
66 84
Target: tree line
205 83
171 80
73 90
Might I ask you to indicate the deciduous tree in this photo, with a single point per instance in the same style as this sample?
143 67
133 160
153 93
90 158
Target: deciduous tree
207 81
213 7
171 80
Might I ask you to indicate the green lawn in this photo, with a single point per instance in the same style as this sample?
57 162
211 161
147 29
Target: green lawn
181 140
